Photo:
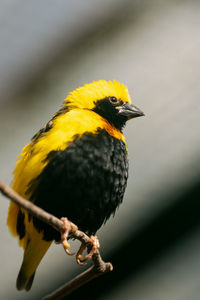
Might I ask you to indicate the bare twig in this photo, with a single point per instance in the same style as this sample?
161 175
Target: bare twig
33 209
99 267
78 281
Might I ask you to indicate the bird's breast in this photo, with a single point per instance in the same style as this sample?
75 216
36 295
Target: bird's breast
84 182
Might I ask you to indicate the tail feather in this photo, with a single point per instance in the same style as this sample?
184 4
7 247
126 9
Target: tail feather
30 282
33 253
23 282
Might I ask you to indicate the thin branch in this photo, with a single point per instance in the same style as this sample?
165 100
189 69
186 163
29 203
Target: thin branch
99 268
33 209
78 281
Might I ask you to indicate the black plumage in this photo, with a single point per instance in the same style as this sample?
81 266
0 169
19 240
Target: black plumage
87 182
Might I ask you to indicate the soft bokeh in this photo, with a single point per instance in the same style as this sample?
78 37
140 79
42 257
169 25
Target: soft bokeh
48 48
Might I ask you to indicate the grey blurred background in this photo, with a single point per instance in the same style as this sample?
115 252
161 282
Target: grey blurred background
48 48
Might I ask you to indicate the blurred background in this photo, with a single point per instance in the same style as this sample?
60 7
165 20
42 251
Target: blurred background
49 48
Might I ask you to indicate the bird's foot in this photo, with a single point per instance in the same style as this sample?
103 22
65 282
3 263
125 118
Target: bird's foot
68 227
93 246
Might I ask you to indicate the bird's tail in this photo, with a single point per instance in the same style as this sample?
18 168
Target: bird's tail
33 254
24 282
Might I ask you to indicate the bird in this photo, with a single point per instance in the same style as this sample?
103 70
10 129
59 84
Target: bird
76 166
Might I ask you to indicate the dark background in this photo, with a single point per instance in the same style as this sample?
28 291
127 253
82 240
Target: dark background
49 48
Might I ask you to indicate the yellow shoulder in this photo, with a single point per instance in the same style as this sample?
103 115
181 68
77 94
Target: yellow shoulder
64 128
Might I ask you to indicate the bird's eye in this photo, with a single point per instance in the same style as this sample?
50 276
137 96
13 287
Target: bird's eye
114 100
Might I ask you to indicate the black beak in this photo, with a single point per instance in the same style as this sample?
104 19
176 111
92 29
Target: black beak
129 110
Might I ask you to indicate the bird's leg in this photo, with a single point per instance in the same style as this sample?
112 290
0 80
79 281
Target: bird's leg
93 245
67 228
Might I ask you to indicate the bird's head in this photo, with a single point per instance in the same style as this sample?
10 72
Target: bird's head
109 99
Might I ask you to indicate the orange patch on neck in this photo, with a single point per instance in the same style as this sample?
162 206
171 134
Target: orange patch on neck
116 133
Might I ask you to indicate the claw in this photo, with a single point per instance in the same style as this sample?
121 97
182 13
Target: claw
67 227
66 246
79 257
92 245
95 245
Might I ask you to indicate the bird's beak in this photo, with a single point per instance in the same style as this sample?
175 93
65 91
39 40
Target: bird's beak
129 110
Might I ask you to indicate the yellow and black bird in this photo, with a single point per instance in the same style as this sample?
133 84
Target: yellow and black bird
75 166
